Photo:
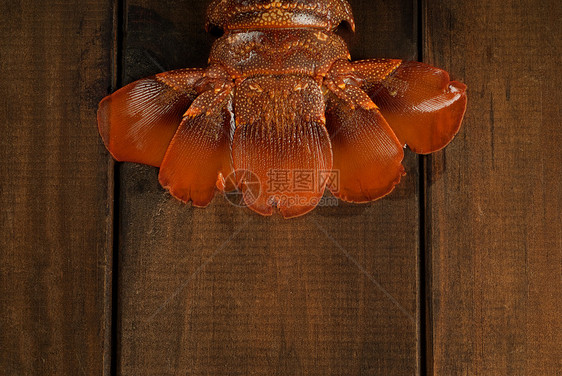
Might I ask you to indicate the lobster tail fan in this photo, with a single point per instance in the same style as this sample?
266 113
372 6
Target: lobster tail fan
367 154
138 121
422 105
281 144
199 157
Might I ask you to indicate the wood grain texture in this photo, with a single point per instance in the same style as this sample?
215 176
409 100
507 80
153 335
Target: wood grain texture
222 291
494 195
55 209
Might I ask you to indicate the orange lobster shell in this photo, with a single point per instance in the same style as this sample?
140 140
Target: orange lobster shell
282 113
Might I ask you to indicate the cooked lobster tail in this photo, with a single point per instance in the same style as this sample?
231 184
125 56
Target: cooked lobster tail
281 113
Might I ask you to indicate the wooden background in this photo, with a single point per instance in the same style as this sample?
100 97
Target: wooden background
458 272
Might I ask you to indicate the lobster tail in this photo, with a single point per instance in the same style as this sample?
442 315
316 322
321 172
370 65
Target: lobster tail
282 112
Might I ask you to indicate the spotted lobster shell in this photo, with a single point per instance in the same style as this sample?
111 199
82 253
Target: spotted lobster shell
282 113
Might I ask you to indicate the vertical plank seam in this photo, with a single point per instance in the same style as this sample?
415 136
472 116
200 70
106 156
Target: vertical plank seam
118 22
109 293
425 327
425 346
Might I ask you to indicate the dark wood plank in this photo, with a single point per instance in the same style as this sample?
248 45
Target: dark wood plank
494 195
55 188
223 291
